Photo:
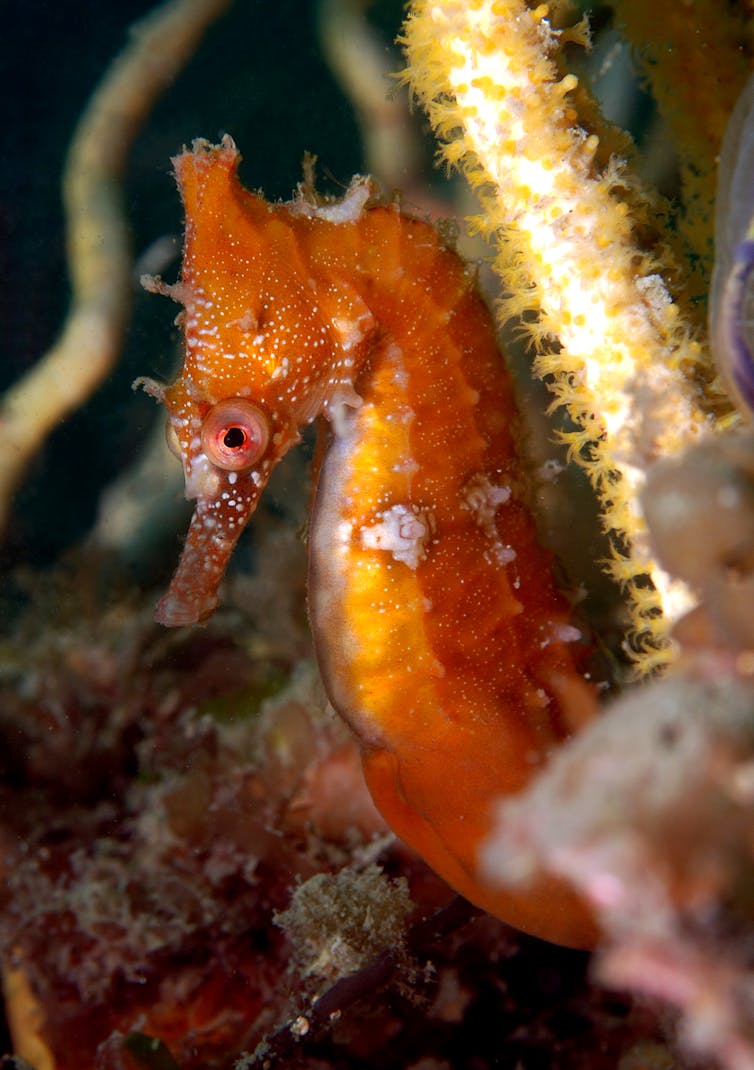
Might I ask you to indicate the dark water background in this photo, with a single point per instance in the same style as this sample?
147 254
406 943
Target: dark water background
259 74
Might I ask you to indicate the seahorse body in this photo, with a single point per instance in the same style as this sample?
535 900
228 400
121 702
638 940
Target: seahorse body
441 637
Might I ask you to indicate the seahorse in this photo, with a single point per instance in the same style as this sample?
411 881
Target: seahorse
440 633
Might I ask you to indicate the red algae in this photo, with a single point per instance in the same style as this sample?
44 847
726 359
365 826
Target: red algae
139 910
139 894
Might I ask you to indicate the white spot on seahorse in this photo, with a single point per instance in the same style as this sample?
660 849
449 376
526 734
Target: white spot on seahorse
502 553
248 322
202 480
346 210
566 633
560 633
406 466
482 498
404 531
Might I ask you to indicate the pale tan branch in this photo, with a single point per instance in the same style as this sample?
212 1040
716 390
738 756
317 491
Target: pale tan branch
97 235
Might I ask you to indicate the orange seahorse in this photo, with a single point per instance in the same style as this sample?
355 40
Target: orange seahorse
438 629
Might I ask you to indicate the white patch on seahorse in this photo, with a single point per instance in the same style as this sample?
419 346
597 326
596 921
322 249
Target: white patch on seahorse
562 633
482 498
347 210
502 553
351 331
403 531
203 480
406 466
340 409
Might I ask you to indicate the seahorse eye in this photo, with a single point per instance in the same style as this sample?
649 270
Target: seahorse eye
234 438
235 434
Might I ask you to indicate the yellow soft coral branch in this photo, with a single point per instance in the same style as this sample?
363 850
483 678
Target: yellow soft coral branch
694 60
565 245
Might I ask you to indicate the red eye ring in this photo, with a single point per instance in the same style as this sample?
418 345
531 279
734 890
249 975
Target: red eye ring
235 434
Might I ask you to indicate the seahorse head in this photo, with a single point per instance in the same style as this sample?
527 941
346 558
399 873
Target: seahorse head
267 339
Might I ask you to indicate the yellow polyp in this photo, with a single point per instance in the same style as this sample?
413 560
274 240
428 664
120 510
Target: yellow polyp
486 46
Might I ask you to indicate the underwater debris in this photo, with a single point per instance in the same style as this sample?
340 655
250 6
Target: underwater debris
700 509
339 922
160 798
649 814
